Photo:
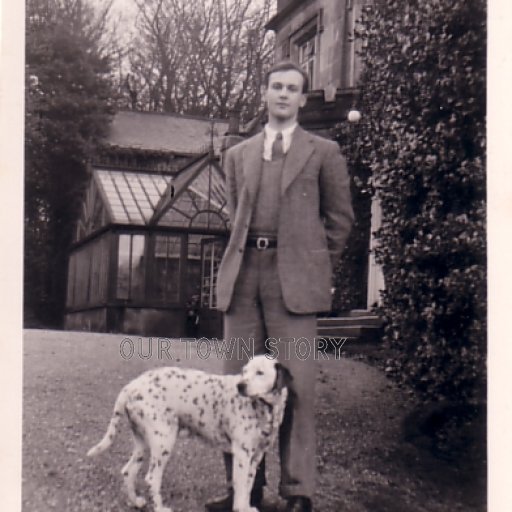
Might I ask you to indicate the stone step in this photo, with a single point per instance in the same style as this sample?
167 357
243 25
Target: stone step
360 312
358 330
367 321
339 332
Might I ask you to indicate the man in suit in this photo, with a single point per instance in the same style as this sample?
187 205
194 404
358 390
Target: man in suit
288 195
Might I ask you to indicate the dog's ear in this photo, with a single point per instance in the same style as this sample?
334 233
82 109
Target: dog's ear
283 377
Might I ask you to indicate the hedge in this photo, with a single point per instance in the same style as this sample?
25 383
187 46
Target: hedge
421 140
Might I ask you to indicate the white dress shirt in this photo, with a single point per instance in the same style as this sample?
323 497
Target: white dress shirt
270 135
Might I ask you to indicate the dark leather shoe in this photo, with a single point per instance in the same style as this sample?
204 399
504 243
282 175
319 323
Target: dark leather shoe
299 504
225 503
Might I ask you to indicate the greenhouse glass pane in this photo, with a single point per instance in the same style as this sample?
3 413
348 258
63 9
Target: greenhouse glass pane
138 274
194 267
166 269
123 268
70 301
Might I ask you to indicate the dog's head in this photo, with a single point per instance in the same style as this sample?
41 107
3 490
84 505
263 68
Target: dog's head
261 376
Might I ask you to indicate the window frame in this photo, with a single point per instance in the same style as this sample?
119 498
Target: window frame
310 31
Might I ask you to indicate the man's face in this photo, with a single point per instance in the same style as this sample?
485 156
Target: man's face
284 94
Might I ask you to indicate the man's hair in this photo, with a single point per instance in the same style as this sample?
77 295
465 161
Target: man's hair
288 65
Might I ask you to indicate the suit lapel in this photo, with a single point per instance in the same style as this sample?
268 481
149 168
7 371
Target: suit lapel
296 157
252 161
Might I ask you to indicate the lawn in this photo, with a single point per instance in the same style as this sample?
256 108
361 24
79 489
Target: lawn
72 379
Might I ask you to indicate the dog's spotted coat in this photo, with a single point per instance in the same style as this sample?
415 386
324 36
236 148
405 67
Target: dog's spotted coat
239 413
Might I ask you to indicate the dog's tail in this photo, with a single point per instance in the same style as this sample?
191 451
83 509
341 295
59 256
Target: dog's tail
108 438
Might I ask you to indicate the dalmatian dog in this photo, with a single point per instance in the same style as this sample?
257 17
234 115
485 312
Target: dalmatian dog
241 414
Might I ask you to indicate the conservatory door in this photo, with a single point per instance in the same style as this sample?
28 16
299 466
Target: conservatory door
212 250
210 322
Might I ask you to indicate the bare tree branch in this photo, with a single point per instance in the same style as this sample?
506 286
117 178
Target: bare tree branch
200 56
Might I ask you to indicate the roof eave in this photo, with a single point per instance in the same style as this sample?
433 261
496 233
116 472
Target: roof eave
277 20
151 151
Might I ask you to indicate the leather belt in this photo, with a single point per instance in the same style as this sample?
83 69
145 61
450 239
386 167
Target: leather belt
262 242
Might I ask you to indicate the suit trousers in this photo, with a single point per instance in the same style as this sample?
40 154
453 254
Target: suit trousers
258 317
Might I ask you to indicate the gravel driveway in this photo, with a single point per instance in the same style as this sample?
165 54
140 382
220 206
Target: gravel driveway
71 380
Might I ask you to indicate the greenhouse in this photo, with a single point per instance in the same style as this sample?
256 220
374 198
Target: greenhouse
147 248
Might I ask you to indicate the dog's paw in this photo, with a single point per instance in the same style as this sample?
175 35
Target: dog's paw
139 502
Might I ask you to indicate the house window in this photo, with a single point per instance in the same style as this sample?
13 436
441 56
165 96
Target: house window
285 49
305 47
307 57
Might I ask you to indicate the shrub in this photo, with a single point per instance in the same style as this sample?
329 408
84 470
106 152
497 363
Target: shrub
422 135
352 269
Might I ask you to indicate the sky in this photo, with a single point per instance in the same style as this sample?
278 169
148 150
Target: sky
123 12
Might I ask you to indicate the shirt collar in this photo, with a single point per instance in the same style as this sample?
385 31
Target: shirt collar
271 133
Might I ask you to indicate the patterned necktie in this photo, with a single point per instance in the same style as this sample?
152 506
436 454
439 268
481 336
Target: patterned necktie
277 147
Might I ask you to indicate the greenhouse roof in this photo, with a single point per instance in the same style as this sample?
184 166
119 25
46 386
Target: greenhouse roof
144 198
131 196
172 133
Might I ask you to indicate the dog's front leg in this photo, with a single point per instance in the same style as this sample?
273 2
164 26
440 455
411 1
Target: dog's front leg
154 480
244 470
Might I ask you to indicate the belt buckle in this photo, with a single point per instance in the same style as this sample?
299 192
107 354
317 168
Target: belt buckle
262 243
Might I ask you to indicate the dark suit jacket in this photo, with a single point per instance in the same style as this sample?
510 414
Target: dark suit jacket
315 218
